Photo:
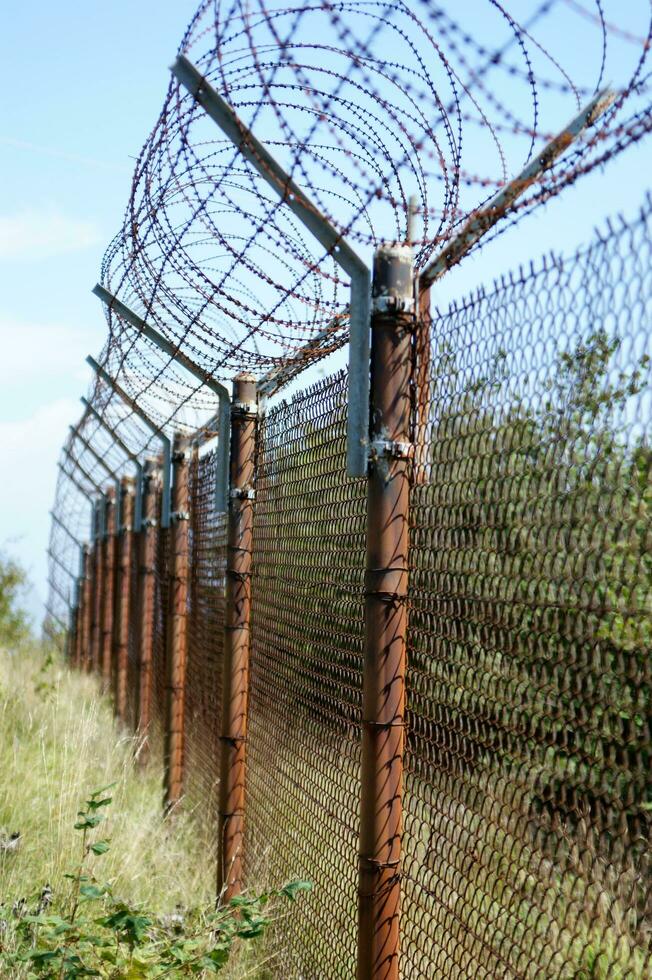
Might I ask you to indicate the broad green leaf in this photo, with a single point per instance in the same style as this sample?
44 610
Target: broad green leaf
292 889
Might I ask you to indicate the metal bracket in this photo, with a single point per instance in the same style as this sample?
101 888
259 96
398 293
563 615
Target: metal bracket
244 408
179 515
242 493
392 304
397 450
149 522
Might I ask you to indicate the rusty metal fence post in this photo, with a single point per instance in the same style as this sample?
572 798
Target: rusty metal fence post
386 582
109 589
98 586
146 604
178 627
77 631
73 631
244 412
87 603
124 603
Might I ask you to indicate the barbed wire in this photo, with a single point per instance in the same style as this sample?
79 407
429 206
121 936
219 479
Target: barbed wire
366 104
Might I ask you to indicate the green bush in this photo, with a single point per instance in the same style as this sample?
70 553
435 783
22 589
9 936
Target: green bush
14 626
90 932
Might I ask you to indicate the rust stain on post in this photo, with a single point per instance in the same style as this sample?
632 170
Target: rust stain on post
383 704
178 626
237 636
146 602
125 586
109 591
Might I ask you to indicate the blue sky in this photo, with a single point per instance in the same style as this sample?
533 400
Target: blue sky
83 84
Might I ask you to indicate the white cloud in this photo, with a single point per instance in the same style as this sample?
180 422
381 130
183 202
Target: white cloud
34 352
30 452
36 234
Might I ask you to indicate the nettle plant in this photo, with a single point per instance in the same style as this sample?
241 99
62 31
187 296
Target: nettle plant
92 933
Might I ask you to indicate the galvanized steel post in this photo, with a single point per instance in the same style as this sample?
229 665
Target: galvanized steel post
124 590
109 588
178 626
146 602
244 411
386 580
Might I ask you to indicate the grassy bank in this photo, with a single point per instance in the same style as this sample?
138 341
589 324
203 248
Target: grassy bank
59 743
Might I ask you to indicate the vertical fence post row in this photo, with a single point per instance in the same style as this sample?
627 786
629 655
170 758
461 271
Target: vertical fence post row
98 585
125 587
235 690
87 600
71 635
146 601
178 626
386 580
75 652
109 589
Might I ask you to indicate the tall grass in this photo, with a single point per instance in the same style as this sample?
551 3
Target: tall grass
58 743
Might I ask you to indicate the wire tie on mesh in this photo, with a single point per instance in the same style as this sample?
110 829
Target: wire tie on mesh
380 864
242 493
383 724
180 515
150 522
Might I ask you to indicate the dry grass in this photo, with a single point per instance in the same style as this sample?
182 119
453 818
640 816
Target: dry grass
58 743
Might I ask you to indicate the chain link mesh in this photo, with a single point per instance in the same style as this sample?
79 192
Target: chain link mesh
306 665
205 634
163 571
528 792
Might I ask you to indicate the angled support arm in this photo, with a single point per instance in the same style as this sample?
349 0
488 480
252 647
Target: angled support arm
57 561
66 530
311 217
54 616
151 425
84 491
484 220
76 434
62 595
122 311
138 517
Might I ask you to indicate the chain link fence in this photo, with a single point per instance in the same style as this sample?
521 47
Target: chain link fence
514 715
